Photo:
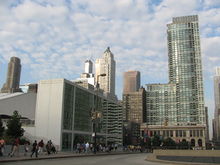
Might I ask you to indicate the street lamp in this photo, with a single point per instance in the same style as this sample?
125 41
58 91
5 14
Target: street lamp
95 114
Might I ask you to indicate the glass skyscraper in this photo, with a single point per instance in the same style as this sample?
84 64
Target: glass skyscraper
181 101
185 69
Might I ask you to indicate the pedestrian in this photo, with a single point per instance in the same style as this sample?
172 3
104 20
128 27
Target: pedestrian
2 147
91 147
87 147
48 147
78 147
26 148
41 146
116 147
14 148
35 149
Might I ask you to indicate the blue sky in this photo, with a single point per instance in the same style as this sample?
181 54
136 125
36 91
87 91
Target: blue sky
53 38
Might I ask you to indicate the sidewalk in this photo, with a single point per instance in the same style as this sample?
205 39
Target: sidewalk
59 155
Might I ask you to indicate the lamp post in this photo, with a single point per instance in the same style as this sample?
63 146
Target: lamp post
95 114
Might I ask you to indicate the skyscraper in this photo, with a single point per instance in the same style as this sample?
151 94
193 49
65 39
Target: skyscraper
131 81
106 65
177 109
216 122
134 104
13 76
185 69
88 66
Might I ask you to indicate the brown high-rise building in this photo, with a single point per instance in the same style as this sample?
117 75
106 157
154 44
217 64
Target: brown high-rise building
134 104
13 76
131 81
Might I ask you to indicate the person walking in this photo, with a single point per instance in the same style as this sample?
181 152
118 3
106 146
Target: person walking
35 149
87 147
40 146
14 148
78 147
48 147
26 148
2 147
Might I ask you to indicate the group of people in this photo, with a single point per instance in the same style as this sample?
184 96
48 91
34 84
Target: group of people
40 147
90 147
36 148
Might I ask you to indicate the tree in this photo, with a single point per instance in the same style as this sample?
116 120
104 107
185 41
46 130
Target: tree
183 144
156 140
1 128
14 126
169 143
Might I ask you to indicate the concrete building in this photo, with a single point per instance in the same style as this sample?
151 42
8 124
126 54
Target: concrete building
180 103
66 106
24 103
131 81
13 76
106 65
88 66
88 75
216 121
195 135
134 104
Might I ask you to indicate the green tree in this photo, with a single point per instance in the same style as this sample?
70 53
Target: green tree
183 145
156 140
14 126
1 128
169 143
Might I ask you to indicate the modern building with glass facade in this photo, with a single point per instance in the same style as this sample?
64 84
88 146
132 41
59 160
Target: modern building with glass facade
63 115
185 69
180 103
161 104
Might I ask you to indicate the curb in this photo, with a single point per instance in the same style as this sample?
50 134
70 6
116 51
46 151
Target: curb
65 156
152 158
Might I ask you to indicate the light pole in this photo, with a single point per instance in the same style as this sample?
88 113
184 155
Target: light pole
95 114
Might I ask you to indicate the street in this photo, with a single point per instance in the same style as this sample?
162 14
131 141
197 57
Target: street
128 159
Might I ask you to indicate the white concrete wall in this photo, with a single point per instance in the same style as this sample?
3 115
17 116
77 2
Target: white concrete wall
49 110
25 104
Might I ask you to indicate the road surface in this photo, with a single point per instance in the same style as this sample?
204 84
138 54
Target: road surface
128 159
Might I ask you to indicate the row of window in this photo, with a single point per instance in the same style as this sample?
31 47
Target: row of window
178 133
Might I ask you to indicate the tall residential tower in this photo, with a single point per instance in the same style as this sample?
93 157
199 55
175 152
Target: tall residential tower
177 109
185 69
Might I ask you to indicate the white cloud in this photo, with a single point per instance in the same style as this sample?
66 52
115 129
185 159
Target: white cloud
54 38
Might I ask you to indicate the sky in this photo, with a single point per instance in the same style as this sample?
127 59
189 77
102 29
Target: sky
53 38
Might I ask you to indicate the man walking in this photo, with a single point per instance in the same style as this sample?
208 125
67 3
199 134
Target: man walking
35 149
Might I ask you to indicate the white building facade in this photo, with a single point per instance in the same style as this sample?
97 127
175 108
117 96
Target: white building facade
63 115
106 65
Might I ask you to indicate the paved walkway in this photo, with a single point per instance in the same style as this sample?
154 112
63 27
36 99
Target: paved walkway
21 157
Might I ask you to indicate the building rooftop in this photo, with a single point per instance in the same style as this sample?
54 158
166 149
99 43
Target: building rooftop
8 95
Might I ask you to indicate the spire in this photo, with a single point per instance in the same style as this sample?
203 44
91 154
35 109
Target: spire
108 49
